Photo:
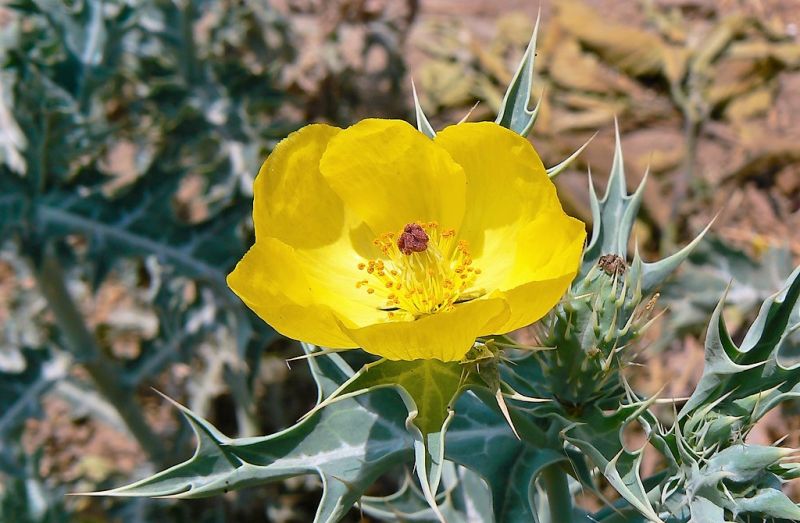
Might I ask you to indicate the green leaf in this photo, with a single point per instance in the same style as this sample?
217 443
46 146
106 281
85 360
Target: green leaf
614 216
348 444
622 472
481 439
428 389
710 269
706 511
768 502
740 463
733 372
514 112
757 405
598 437
464 498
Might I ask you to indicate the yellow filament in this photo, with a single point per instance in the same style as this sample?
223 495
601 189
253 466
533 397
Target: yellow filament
419 283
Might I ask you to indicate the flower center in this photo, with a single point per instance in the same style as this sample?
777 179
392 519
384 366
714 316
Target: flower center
413 239
424 270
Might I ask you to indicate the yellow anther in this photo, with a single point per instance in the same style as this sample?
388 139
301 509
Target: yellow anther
425 266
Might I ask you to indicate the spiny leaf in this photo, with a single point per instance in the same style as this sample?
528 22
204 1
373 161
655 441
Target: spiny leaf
654 273
480 439
768 502
622 472
710 269
464 499
428 389
598 437
757 405
741 463
514 112
705 510
614 216
349 444
755 366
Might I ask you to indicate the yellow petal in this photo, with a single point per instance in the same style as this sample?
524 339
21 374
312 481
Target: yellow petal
331 273
547 257
291 199
445 336
549 246
270 281
506 186
531 301
390 174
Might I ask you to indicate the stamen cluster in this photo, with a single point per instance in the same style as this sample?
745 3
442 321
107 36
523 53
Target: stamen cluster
421 270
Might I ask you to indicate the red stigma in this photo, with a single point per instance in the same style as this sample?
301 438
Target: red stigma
413 239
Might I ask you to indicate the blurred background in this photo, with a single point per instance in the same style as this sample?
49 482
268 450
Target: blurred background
130 134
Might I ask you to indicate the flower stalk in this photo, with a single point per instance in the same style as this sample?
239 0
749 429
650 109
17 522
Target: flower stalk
83 345
559 498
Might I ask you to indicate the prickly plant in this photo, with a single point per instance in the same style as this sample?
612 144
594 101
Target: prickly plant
511 432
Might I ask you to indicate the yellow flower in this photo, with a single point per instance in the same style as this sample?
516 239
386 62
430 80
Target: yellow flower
379 237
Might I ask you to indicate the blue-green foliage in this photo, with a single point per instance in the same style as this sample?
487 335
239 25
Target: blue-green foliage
483 435
110 110
514 415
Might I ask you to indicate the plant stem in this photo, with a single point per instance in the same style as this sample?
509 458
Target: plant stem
559 499
83 345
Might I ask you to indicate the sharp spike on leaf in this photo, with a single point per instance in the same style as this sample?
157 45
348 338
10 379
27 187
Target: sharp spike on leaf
328 373
514 395
346 390
780 440
501 403
423 124
316 354
671 401
653 274
203 430
560 167
469 113
617 183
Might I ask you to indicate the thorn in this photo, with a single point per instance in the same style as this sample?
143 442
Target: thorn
469 113
423 125
323 352
501 402
174 403
528 399
652 320
672 401
558 168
